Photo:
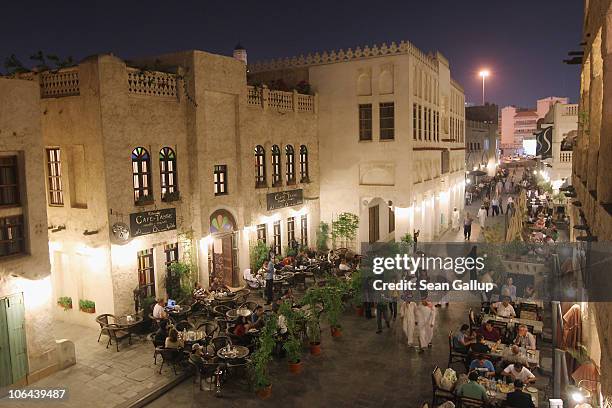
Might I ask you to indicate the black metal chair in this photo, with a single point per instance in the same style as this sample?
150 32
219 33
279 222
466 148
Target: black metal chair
211 328
465 402
103 321
221 310
117 333
455 356
219 342
171 357
439 395
156 345
250 305
183 325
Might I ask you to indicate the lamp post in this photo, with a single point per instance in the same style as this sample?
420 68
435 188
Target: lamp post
483 74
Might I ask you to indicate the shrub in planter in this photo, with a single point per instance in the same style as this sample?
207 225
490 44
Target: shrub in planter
87 306
293 347
262 357
65 302
332 305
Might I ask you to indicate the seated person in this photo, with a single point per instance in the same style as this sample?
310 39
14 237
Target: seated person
517 371
219 286
159 338
482 366
251 280
288 295
159 310
462 339
257 318
472 389
239 332
489 332
529 292
504 308
172 341
282 325
518 398
344 267
513 354
199 292
479 347
197 355
524 338
508 289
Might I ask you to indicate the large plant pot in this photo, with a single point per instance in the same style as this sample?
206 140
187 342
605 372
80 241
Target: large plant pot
296 368
315 349
335 331
359 310
265 393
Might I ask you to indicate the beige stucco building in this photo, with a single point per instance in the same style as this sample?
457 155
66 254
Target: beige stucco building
481 146
144 167
27 347
391 126
563 118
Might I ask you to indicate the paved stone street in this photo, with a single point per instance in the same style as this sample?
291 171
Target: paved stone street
102 377
359 369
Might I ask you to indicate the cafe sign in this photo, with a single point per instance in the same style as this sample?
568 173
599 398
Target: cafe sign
284 199
150 222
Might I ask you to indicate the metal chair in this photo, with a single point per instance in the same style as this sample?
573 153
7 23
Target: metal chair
219 342
465 402
183 325
455 356
170 356
250 305
210 328
117 333
221 310
103 321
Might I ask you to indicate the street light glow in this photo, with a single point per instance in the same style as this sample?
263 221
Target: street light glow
484 73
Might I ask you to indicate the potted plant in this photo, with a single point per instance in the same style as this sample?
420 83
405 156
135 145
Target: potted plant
322 237
144 200
312 298
171 196
258 255
356 292
87 306
332 305
65 302
344 228
292 346
262 357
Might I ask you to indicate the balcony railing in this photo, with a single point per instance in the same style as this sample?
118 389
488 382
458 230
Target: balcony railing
280 100
152 83
54 84
565 157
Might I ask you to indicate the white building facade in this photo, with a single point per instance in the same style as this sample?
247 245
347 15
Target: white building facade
391 126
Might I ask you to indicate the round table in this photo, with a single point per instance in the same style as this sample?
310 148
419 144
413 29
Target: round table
122 321
240 312
235 352
176 314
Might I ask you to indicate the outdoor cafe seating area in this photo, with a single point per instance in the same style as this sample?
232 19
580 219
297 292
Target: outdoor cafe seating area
216 334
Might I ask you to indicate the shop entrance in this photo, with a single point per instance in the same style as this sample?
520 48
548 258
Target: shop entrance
223 260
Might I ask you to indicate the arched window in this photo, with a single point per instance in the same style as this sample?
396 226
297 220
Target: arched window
290 158
304 164
260 166
167 174
276 166
141 171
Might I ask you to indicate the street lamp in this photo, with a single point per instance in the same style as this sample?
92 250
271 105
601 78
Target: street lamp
484 73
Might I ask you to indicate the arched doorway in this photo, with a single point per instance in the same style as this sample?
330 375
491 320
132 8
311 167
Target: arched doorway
223 250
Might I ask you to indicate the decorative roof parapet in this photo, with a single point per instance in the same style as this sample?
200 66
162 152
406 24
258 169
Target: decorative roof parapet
404 47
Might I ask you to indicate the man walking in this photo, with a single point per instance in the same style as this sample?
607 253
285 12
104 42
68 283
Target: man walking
425 317
495 206
467 226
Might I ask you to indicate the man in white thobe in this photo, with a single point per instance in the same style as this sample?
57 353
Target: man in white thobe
425 318
482 216
407 313
456 216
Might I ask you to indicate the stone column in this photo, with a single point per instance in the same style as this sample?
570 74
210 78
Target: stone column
595 97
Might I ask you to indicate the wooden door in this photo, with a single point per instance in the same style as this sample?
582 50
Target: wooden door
13 311
228 261
6 375
374 221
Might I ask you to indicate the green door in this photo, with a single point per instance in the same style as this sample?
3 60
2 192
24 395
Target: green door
15 325
6 376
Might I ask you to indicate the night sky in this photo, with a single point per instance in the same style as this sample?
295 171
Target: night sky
522 42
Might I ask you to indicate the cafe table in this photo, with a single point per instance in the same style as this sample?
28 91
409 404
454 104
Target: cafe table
128 323
233 352
498 395
498 350
538 325
239 312
190 337
178 311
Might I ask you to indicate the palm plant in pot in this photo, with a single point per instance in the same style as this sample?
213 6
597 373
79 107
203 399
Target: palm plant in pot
312 299
356 292
262 357
292 345
332 304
